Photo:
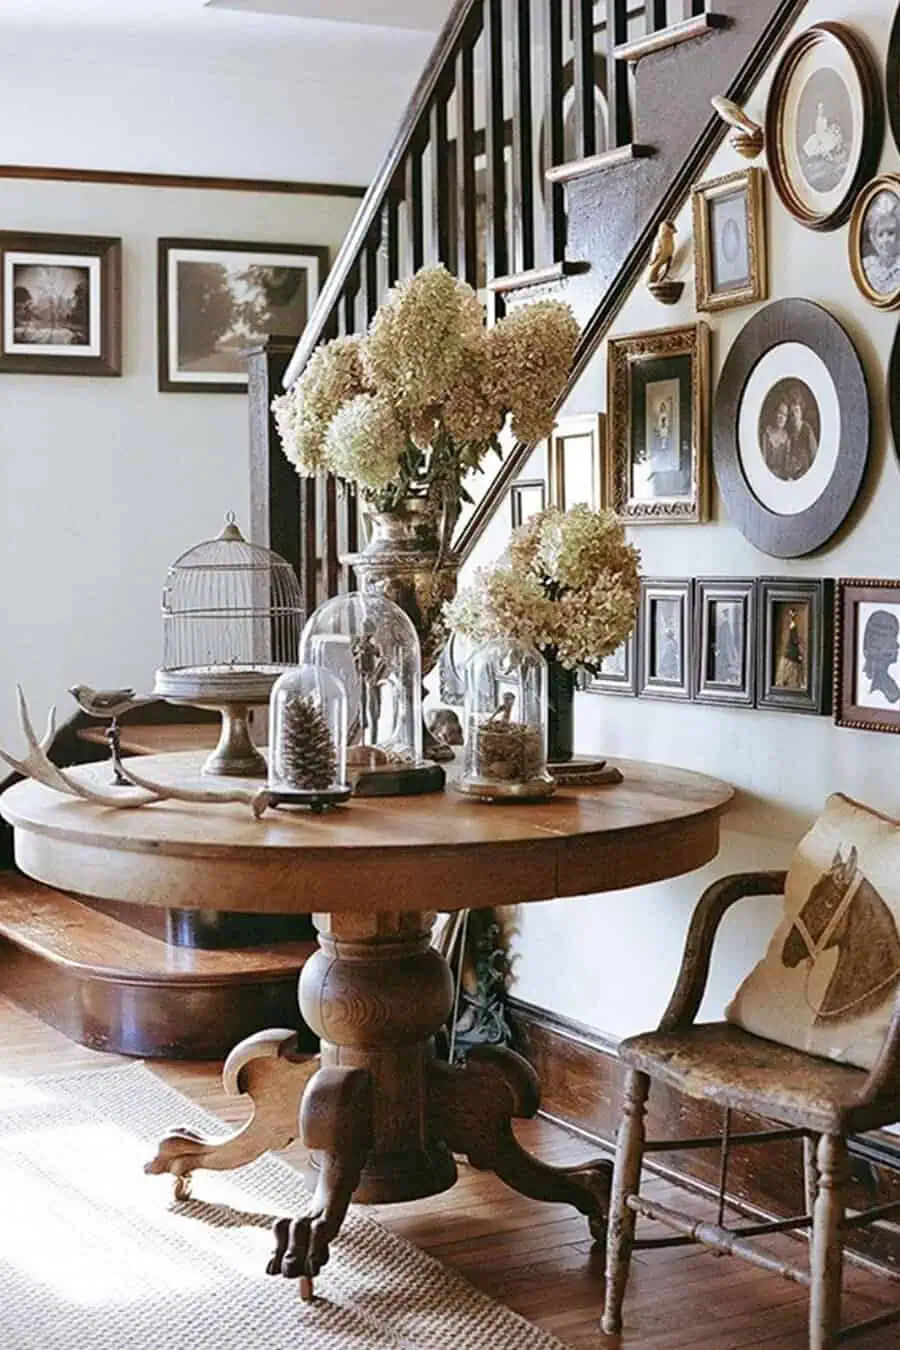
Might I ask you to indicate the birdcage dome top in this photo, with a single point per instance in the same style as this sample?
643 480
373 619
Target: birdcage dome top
230 551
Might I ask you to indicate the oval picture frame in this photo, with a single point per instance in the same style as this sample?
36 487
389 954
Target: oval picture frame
892 78
825 130
801 324
868 269
893 391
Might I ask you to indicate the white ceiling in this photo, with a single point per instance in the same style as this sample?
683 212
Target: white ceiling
291 16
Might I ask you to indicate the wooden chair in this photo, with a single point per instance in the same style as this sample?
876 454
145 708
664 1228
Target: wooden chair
818 1100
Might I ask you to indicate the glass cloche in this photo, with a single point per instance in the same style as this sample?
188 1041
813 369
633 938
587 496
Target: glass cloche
308 738
372 648
505 719
232 614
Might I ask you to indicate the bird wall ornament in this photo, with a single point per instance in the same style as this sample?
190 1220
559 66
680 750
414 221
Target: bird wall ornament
666 291
746 137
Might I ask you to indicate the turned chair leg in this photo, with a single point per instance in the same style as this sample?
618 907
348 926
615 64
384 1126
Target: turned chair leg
626 1182
827 1254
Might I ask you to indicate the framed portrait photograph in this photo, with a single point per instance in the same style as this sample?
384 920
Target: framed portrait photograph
724 640
657 426
867 656
874 242
576 461
617 673
527 496
794 650
791 427
824 124
730 241
61 303
217 299
665 631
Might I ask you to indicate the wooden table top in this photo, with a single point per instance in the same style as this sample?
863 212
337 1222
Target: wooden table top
140 738
376 854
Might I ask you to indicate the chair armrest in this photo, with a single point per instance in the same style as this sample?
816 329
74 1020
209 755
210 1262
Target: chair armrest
714 904
884 1077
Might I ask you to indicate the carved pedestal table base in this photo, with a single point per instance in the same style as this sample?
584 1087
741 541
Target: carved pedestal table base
380 1114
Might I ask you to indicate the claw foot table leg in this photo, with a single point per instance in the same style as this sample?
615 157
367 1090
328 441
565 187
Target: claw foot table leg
473 1108
269 1069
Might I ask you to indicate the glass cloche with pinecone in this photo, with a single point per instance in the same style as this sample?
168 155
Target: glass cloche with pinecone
308 738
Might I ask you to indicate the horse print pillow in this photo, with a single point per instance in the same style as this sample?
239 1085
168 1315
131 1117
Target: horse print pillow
828 980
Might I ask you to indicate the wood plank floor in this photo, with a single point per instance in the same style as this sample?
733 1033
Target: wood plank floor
538 1258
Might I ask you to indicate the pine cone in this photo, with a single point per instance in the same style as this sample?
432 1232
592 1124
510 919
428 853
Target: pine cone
306 756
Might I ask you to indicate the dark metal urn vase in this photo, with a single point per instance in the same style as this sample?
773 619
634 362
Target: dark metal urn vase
561 685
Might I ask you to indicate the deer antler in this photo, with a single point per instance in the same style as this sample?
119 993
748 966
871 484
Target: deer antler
38 766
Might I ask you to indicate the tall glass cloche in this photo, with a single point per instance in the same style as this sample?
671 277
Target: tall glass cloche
232 615
505 754
370 645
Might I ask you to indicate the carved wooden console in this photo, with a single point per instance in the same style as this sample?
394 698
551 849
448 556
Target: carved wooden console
382 1116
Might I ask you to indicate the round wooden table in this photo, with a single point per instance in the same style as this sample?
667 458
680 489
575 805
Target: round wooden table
382 1116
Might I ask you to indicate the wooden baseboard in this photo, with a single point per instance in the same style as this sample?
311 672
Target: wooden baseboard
581 1086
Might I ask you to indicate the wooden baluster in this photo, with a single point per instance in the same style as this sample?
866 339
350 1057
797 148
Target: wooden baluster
348 320
585 105
522 205
617 74
332 567
390 238
415 209
440 187
554 127
497 248
351 528
698 7
466 220
309 543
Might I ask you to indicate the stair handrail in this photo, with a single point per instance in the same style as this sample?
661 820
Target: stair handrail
465 13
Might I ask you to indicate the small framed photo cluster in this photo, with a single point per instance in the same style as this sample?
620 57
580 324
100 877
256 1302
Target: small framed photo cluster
761 642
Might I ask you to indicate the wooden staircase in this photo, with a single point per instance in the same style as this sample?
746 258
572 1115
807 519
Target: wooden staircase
543 145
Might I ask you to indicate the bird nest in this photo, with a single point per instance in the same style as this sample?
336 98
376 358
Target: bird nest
506 752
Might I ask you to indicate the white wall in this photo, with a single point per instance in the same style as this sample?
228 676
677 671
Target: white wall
620 953
105 481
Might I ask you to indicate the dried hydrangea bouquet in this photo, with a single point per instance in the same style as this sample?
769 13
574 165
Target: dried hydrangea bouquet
569 585
409 410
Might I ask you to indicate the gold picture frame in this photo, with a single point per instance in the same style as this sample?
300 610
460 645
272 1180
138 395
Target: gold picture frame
658 426
876 267
730 265
575 461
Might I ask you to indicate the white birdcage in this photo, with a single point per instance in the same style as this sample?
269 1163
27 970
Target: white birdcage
232 615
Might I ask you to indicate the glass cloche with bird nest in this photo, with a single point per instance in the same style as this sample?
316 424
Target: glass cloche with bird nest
370 645
232 615
505 756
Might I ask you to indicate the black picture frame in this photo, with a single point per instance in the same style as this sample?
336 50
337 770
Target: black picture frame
814 641
517 492
893 391
724 652
799 322
658 677
892 78
624 683
170 252
95 263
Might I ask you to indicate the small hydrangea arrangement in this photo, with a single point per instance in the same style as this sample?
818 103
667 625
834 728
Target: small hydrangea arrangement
569 585
414 405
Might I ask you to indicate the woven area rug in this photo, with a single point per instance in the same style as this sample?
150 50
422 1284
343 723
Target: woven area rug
94 1255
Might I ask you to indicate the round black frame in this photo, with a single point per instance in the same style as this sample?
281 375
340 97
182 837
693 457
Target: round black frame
804 322
892 78
872 138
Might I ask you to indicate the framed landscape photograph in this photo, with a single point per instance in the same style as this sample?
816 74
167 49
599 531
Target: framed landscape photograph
217 299
875 242
724 636
824 124
730 241
617 673
657 426
794 647
665 631
867 657
576 461
61 303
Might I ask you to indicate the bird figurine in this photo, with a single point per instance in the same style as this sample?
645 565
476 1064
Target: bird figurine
111 703
746 136
658 283
503 711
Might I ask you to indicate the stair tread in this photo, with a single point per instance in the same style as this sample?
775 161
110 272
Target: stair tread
606 159
60 928
685 31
